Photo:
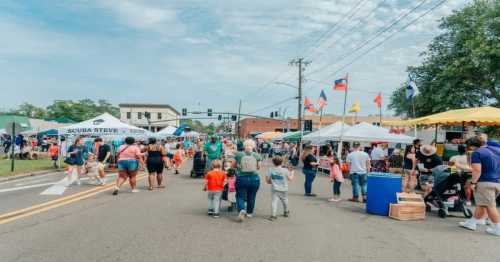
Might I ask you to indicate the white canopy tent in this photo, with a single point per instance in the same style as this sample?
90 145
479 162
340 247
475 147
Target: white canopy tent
166 132
330 132
190 134
362 132
104 125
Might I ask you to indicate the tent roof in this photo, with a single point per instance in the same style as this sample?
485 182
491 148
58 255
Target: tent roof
104 125
484 116
364 132
268 135
169 130
329 131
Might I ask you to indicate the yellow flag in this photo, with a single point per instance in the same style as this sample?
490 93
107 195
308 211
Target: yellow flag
355 108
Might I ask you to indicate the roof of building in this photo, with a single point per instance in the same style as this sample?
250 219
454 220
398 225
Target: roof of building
150 106
22 120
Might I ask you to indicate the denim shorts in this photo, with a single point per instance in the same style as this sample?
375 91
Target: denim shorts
128 165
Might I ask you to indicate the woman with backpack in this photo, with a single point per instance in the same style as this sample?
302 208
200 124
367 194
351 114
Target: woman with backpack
247 180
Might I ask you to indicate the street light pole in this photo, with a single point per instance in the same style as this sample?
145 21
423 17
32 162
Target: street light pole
301 64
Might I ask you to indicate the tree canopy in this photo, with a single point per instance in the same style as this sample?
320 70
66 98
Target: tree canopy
75 110
461 67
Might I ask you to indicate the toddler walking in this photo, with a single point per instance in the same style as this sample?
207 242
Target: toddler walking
214 184
92 170
278 178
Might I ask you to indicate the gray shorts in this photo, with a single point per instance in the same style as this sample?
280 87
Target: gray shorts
486 193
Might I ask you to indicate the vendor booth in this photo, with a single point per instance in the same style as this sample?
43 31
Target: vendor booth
166 132
104 125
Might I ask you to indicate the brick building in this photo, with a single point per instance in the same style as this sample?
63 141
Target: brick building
257 125
248 126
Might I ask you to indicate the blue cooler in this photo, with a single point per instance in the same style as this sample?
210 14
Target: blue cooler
381 191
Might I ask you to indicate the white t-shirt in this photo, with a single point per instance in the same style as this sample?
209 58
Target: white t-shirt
378 154
357 162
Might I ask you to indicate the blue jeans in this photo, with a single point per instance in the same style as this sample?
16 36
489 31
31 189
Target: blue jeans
246 190
336 187
310 176
358 181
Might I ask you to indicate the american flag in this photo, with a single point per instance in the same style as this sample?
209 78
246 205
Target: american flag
322 101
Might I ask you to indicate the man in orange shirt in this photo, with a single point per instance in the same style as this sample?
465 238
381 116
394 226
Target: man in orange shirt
214 184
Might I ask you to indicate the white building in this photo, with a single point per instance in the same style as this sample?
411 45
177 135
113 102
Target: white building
153 117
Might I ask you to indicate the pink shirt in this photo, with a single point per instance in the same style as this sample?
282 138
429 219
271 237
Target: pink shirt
335 173
129 152
231 184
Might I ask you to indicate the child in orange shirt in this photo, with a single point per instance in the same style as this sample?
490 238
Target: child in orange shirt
54 153
214 184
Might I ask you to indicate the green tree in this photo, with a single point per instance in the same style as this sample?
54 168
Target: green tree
461 67
29 110
81 110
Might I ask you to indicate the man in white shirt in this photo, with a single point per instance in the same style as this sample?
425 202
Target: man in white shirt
359 166
379 156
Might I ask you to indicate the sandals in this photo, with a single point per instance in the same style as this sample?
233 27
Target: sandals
150 188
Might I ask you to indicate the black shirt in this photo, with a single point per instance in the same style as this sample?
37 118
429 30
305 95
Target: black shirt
431 161
103 151
308 160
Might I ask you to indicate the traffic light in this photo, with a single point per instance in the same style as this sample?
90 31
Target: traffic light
234 118
276 114
308 124
272 114
219 117
209 112
184 112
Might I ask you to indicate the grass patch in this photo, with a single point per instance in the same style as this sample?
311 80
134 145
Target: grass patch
24 166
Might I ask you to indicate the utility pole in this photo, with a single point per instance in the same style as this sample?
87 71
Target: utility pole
238 122
301 64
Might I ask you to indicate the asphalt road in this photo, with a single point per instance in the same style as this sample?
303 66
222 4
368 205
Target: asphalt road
171 225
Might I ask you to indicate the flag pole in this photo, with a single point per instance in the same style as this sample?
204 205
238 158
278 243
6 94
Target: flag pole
380 110
339 147
413 106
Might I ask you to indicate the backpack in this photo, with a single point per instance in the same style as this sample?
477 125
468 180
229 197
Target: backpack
248 163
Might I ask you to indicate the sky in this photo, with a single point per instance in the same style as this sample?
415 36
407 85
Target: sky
210 54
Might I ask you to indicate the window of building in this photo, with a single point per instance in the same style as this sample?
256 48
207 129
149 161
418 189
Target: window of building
129 115
159 115
139 115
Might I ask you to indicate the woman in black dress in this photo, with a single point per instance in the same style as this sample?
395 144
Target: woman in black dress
156 158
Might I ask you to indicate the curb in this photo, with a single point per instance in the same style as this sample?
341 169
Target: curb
30 174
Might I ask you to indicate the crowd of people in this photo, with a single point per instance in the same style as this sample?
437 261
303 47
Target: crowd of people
231 170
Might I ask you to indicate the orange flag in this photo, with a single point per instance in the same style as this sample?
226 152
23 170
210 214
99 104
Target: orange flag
378 100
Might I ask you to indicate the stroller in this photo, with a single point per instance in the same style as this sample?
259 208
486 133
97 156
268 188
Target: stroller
198 165
448 193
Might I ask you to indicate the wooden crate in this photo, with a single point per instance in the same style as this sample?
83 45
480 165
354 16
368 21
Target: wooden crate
409 207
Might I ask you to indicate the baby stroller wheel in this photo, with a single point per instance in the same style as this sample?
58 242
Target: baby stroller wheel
467 212
428 208
442 213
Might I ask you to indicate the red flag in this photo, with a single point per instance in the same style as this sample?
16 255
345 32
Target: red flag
378 100
308 105
322 100
341 84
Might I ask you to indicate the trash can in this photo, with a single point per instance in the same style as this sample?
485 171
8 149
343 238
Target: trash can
381 192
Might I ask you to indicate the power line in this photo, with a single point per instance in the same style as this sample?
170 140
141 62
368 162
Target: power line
387 38
324 35
350 30
273 105
374 37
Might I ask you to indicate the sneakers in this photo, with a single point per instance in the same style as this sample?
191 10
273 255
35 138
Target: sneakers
468 203
334 199
272 218
242 215
493 230
286 213
249 215
310 195
135 190
215 215
469 224
210 212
